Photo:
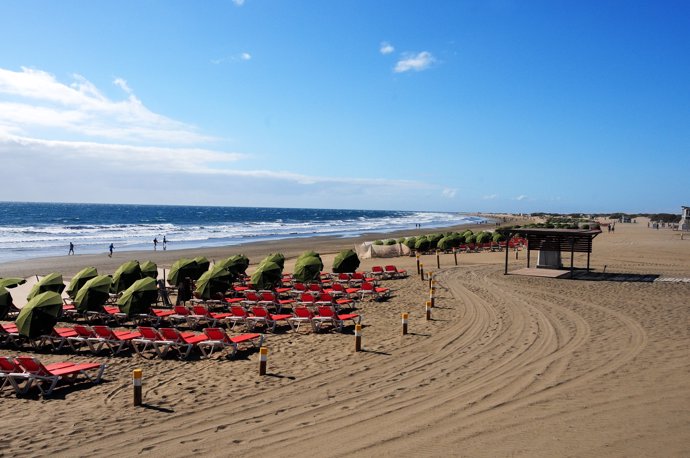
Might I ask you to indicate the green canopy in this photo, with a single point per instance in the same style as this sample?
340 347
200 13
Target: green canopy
307 269
11 282
267 275
93 294
213 282
51 282
181 269
237 265
39 315
346 261
149 269
202 265
79 279
125 276
277 258
309 254
138 298
5 302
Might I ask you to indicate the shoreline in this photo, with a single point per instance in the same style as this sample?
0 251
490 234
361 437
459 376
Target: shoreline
290 247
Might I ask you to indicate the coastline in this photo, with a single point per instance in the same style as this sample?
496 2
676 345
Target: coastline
290 247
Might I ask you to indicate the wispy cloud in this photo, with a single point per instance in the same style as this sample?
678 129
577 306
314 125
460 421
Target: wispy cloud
39 102
449 192
490 197
238 2
521 197
416 62
386 48
243 56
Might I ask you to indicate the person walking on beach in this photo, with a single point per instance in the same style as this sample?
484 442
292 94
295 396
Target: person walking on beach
71 249
111 247
155 244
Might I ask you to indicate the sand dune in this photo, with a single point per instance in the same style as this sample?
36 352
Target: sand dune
509 366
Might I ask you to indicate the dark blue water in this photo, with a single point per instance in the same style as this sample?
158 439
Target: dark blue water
46 229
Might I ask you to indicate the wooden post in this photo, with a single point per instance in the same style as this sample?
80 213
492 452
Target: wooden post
431 279
263 360
417 255
404 323
427 307
508 235
136 382
438 259
358 337
431 296
421 271
455 255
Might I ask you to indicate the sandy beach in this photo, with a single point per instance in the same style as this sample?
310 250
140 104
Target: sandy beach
509 366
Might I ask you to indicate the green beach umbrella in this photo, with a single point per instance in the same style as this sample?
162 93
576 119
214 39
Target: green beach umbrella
181 269
125 276
51 282
346 261
214 281
11 282
237 265
149 269
267 275
39 315
79 279
137 299
202 265
307 268
277 258
5 302
93 295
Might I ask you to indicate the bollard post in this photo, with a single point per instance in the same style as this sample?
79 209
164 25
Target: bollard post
421 271
431 279
427 307
432 296
263 360
417 255
358 337
438 259
136 382
516 253
455 255
404 323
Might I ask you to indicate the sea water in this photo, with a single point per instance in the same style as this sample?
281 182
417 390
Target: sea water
30 230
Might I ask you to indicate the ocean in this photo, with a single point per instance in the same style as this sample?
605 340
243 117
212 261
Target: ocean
31 230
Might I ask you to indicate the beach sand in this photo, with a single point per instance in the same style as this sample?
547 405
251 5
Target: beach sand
509 366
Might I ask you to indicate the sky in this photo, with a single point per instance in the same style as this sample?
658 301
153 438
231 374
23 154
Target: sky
445 105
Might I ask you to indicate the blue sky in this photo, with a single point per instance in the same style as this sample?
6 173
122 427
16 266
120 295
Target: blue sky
445 105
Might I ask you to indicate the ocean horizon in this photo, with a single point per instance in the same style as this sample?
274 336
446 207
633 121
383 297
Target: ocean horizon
33 229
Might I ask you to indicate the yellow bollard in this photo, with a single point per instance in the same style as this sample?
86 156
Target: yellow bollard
136 382
404 323
358 337
432 292
428 310
421 271
431 279
263 360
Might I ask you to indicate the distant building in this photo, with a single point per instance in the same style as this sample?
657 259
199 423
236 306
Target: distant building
684 224
624 219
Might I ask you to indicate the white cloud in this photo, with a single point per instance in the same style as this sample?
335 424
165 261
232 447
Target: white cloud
238 2
521 197
39 101
245 56
449 193
386 48
122 84
490 197
417 62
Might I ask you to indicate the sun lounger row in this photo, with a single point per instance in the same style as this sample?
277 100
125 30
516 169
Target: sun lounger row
23 373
